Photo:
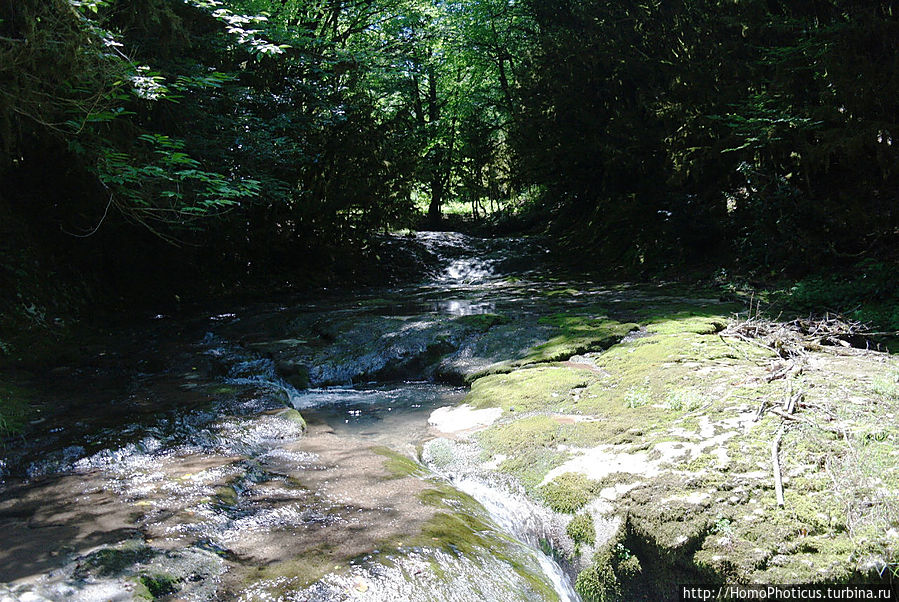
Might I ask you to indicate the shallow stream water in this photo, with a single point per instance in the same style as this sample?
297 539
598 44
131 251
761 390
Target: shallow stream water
172 465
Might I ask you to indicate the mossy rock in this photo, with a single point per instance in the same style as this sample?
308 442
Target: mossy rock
108 562
160 584
578 335
687 322
613 575
530 445
398 465
300 571
226 495
581 529
598 583
458 529
293 416
482 322
537 388
569 492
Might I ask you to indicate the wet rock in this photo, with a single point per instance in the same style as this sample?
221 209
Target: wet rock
293 416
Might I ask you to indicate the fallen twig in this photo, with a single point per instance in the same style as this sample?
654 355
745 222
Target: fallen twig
761 411
778 482
796 418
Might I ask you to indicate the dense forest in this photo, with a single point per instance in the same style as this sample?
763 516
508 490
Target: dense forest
146 143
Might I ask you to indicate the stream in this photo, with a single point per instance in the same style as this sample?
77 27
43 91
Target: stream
173 464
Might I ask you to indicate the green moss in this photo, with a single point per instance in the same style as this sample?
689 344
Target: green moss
293 416
598 583
530 445
537 388
699 463
578 335
442 495
520 436
660 364
226 495
108 562
482 322
457 533
160 584
304 569
460 531
569 492
140 591
581 529
398 465
614 572
687 322
673 527
719 518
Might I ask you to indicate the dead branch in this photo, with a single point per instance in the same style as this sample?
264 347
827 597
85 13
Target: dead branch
778 482
796 337
796 418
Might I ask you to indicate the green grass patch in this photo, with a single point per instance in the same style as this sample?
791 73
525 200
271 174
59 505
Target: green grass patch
887 385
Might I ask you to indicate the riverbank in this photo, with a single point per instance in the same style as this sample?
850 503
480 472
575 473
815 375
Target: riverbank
493 428
662 451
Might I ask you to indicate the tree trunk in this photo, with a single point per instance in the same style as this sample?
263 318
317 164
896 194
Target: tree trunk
434 213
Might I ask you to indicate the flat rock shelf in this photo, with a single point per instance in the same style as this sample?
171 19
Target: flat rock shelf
493 432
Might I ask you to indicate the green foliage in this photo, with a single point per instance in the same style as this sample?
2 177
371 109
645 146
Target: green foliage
14 410
700 132
637 398
683 400
868 292
646 136
169 186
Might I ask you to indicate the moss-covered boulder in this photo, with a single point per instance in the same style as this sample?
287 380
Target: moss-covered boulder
672 431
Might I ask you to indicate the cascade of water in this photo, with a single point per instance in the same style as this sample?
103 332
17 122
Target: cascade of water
526 521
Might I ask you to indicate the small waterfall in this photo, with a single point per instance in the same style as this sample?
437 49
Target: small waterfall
262 372
526 521
467 270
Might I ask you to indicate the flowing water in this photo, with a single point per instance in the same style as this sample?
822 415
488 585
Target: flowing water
171 463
